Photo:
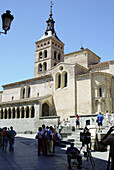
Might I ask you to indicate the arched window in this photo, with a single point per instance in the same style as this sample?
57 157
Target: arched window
5 113
13 111
59 56
57 81
40 67
28 92
32 112
45 66
23 93
40 55
45 54
27 112
64 79
55 54
45 109
100 92
22 112
18 113
9 113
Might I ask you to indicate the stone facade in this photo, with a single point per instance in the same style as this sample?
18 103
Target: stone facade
63 86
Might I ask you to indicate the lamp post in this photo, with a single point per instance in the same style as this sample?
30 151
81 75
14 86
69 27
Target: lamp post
7 18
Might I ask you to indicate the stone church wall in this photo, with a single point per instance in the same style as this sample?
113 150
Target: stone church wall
80 58
84 98
64 98
20 125
39 88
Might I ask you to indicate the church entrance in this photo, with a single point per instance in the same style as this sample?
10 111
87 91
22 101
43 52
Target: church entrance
45 109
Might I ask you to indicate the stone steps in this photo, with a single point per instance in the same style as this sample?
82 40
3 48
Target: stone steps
75 137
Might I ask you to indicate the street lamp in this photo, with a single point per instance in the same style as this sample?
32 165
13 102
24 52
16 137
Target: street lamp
7 18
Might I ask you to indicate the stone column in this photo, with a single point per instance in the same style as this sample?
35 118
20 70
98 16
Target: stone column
96 92
30 110
3 113
16 112
108 92
21 111
7 113
24 111
99 106
94 106
103 106
11 112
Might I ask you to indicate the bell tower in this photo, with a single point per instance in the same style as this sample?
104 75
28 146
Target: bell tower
49 49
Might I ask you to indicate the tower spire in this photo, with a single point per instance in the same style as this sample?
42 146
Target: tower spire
50 31
51 10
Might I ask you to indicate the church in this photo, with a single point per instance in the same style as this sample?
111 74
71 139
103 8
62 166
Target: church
63 85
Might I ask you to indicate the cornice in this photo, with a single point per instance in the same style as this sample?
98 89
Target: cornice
102 64
80 51
95 73
24 101
26 81
47 38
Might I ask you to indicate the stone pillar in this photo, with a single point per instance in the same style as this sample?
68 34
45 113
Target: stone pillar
99 106
30 110
94 106
103 106
16 112
24 111
7 113
108 92
96 92
109 105
21 111
3 113
11 112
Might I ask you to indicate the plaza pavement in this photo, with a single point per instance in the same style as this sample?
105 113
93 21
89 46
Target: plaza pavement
25 157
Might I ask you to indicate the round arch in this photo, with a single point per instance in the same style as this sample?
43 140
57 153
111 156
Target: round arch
45 109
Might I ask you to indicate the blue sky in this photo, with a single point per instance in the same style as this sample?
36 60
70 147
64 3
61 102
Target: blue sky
88 21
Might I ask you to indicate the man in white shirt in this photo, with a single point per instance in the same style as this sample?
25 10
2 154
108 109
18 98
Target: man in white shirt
107 118
112 118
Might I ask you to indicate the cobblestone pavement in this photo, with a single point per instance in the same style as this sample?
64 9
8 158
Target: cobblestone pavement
25 157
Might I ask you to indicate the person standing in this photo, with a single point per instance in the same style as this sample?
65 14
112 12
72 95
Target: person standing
99 121
5 138
50 141
60 127
11 135
44 139
39 134
112 119
77 122
107 117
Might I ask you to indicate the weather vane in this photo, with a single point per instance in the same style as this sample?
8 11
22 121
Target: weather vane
51 9
51 3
